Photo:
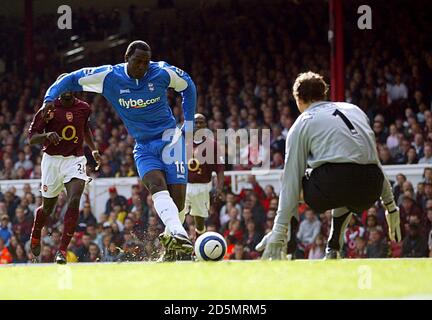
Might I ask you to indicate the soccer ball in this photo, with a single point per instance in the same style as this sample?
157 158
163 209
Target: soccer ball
210 246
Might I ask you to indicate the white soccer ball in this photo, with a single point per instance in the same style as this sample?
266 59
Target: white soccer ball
210 246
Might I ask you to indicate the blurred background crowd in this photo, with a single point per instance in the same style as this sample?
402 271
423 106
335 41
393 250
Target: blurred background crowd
243 59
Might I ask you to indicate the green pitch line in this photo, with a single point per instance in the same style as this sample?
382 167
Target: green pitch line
342 279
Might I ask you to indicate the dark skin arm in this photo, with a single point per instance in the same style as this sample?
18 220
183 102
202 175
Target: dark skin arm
47 114
39 138
88 138
220 184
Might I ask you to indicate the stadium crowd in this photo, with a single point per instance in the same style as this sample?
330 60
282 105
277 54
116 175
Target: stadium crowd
243 59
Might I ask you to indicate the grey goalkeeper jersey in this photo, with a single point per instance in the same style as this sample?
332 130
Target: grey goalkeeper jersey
326 132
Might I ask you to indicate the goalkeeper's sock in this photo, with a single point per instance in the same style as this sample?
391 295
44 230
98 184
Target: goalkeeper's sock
168 212
292 242
70 222
337 230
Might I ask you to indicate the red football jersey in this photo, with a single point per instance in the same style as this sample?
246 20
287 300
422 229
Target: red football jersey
202 172
69 122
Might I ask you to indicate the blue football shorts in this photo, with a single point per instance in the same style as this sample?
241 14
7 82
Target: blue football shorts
168 156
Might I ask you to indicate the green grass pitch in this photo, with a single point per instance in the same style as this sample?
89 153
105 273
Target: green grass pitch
342 279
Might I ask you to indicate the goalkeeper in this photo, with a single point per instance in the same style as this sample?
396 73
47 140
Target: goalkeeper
331 154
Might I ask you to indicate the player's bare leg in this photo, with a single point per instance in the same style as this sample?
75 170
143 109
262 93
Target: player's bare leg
74 189
178 194
41 214
200 227
167 200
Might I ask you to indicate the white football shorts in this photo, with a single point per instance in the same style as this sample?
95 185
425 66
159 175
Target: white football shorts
58 170
198 199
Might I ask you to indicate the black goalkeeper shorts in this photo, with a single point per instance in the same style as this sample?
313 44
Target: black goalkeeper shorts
335 185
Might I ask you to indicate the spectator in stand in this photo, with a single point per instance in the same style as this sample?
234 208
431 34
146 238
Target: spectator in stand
353 230
22 225
325 219
377 247
414 245
13 244
427 175
20 255
397 187
427 159
224 211
430 244
278 161
114 200
392 139
86 217
420 196
257 209
253 188
252 237
5 232
400 154
23 162
269 195
398 90
317 250
372 225
428 222
380 134
92 232
239 252
111 255
5 256
418 145
271 214
234 230
360 250
426 196
125 170
308 230
411 156
46 255
407 209
233 214
277 143
385 156
93 253
82 252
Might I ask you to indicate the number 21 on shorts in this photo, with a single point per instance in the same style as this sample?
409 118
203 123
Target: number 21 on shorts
80 168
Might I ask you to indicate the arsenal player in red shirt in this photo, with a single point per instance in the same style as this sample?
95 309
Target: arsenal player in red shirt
199 177
62 131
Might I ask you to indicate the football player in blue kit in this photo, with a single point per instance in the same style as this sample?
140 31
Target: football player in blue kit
137 91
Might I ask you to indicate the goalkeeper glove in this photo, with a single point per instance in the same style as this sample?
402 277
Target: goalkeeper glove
274 243
392 215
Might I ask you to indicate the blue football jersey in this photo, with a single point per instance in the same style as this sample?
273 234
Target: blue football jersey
141 103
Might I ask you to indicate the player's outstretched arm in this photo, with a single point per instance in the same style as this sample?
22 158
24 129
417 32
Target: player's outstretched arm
274 243
86 79
88 138
392 212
